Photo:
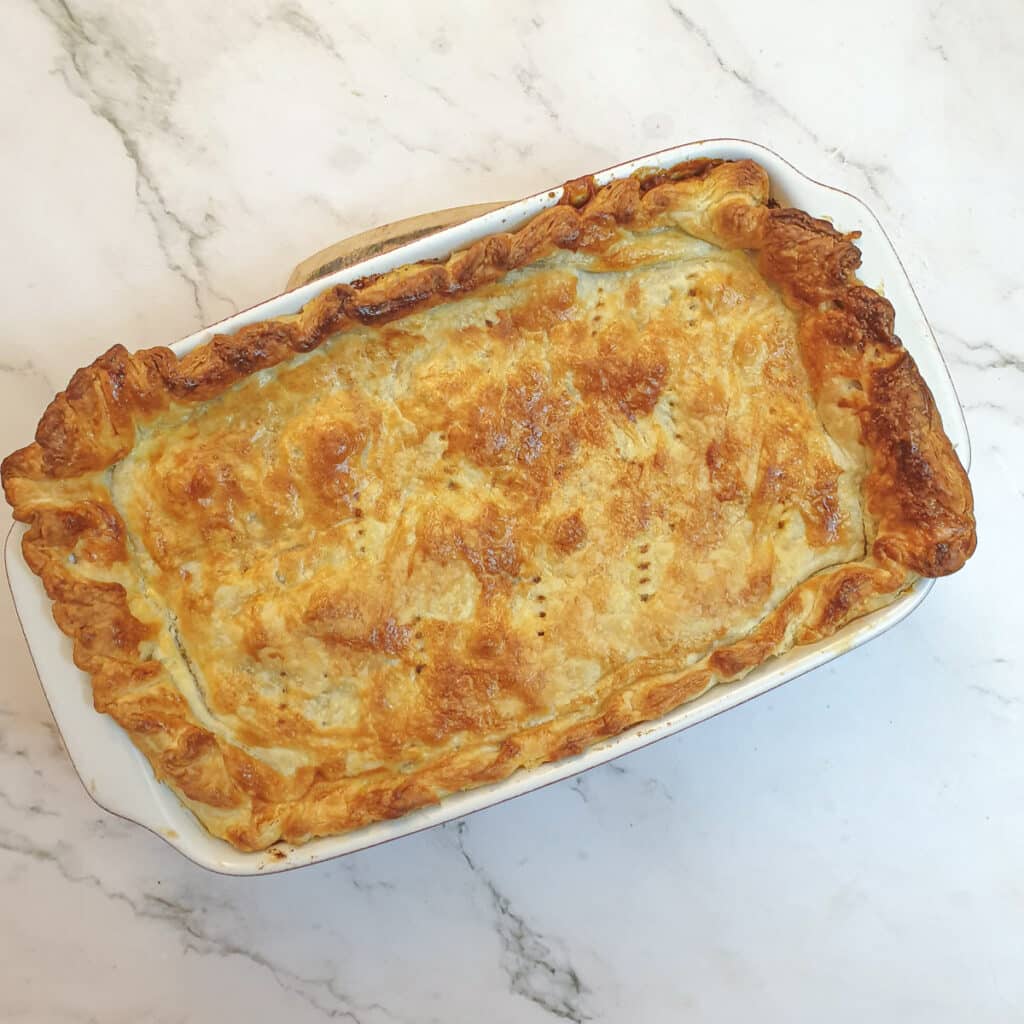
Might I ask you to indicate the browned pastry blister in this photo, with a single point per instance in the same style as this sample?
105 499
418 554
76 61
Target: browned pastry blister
469 516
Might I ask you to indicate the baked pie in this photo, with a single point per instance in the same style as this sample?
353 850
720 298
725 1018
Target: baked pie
473 515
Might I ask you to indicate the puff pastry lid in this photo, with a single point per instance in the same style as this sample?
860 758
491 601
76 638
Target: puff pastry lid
474 515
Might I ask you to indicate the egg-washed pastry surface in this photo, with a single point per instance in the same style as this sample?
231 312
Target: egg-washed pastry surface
470 516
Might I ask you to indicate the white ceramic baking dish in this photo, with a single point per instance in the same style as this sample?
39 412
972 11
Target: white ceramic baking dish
118 777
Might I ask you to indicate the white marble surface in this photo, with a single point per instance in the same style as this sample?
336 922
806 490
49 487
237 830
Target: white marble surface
846 848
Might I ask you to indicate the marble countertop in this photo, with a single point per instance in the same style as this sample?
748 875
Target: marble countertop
847 847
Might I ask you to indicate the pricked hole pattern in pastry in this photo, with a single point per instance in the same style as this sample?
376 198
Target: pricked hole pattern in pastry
420 646
643 566
540 598
671 402
692 306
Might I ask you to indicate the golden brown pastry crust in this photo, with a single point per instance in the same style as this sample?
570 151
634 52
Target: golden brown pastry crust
915 513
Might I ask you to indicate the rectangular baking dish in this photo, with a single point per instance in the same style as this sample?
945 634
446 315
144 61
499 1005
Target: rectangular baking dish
119 778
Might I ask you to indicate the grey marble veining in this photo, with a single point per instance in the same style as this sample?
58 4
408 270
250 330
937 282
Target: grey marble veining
845 848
